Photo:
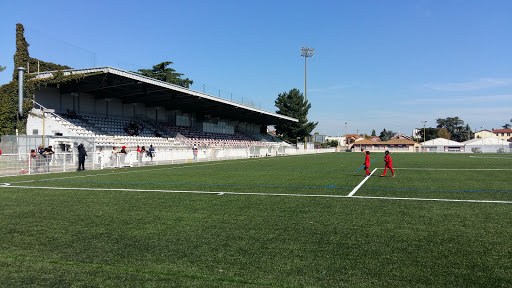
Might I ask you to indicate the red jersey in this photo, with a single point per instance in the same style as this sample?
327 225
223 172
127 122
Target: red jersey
367 160
388 161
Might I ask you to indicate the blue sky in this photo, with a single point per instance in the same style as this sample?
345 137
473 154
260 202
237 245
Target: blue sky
377 64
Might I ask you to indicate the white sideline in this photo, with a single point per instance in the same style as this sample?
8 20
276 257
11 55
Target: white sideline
361 184
491 157
7 185
454 169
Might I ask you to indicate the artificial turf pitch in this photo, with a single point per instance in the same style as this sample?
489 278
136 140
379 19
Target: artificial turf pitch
443 221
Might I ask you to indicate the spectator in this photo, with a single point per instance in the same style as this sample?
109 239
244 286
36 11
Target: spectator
122 156
48 152
194 150
40 158
101 158
151 151
32 159
139 155
113 157
82 153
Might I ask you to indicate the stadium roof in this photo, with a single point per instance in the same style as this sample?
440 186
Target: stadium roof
130 87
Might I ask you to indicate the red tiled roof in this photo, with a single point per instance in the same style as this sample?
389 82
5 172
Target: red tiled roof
366 142
389 142
400 141
501 130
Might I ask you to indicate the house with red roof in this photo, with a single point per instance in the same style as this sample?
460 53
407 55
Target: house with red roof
503 134
394 145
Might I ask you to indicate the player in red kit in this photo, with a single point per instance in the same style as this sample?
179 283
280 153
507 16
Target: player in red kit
367 163
389 164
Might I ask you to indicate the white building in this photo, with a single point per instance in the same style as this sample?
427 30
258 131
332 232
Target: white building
442 145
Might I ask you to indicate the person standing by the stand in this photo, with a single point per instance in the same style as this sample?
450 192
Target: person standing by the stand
82 153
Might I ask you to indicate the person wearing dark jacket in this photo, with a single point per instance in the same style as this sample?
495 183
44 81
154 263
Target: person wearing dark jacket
81 157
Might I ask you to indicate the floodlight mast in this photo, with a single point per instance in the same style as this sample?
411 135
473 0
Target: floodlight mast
306 52
424 122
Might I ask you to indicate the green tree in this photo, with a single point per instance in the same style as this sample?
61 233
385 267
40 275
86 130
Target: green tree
163 73
386 135
430 133
373 133
292 104
507 125
443 133
2 68
455 126
9 118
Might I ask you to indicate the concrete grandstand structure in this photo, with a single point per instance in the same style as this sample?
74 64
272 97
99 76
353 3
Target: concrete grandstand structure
109 107
113 104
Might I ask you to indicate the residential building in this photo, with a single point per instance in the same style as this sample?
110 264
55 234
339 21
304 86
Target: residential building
395 145
503 134
484 134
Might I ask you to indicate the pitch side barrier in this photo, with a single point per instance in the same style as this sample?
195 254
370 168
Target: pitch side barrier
30 164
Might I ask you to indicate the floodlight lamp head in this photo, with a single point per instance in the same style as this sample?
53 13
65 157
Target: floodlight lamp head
307 52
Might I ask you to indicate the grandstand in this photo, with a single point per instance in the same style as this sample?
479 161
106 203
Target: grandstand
109 107
113 102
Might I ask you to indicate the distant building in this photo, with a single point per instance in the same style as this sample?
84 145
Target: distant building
487 145
484 134
340 139
503 134
416 133
442 145
401 136
395 145
353 137
319 138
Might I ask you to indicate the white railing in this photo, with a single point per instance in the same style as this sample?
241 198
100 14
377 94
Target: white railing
28 164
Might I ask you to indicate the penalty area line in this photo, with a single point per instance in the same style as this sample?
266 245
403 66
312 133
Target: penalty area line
220 193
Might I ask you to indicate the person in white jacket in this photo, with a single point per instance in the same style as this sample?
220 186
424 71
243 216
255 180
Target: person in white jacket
101 158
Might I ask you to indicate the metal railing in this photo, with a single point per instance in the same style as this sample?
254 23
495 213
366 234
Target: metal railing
34 163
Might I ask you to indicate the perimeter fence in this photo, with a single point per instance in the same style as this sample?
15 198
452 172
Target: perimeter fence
24 159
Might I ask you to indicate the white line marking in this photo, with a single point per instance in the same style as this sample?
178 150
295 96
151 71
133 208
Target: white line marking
489 157
361 184
452 169
264 194
434 199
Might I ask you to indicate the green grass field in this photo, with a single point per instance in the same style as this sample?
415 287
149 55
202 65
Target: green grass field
443 221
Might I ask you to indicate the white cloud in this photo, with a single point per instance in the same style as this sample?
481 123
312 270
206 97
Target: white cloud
483 83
